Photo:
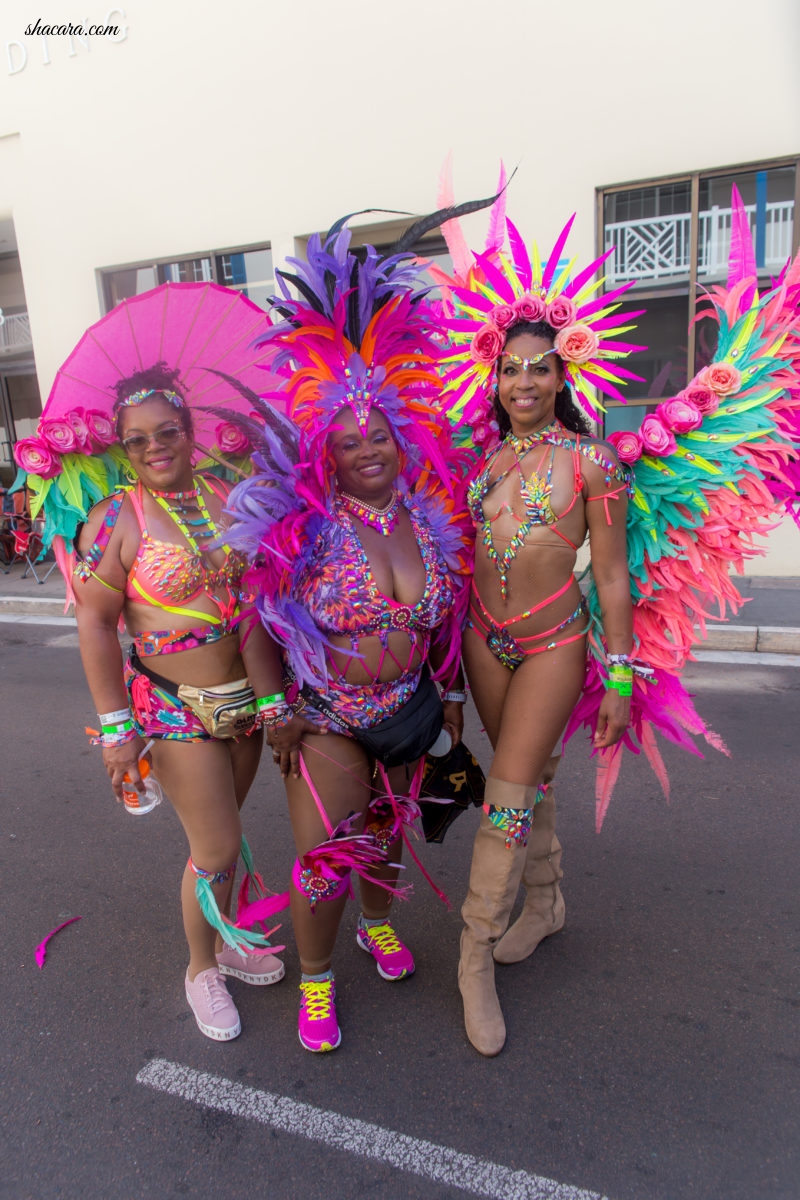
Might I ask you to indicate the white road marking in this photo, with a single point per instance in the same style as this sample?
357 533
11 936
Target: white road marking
426 1159
27 619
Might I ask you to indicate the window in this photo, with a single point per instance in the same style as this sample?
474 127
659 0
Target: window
247 270
672 238
384 236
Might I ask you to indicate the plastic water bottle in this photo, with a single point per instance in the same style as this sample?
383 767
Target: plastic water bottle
442 745
140 803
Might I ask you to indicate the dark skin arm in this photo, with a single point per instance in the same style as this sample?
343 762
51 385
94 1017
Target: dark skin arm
453 709
263 664
98 609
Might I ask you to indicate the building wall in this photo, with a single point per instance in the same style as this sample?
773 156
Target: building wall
200 127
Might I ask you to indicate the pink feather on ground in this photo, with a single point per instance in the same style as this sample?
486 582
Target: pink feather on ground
41 949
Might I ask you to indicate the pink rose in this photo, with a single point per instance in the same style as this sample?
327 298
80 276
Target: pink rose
656 438
704 400
231 439
58 435
576 343
77 420
101 429
503 316
722 378
561 312
487 345
530 308
480 433
679 415
36 458
627 444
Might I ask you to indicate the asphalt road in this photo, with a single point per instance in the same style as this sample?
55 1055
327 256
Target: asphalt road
653 1047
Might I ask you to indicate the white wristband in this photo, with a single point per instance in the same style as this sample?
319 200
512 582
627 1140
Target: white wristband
457 697
114 718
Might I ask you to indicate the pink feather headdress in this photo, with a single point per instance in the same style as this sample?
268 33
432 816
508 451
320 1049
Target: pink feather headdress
493 291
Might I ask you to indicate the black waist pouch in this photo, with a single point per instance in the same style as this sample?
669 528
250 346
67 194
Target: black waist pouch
402 738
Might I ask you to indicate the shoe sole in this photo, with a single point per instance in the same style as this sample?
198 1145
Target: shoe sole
381 972
257 980
323 1047
211 1031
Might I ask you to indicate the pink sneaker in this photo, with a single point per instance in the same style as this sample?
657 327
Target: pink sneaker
259 969
213 1008
317 1026
392 958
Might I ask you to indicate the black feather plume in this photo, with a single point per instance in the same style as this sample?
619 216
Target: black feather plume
441 216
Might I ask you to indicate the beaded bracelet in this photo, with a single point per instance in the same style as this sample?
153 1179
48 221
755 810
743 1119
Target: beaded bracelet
278 719
456 697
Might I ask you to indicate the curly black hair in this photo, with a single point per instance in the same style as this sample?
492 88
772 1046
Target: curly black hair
158 378
567 411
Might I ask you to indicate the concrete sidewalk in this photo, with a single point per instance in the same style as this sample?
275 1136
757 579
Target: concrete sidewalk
768 622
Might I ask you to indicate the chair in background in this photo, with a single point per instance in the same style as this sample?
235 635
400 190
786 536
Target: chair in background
26 541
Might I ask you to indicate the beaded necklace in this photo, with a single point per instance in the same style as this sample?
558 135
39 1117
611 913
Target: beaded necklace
190 515
535 491
384 520
535 494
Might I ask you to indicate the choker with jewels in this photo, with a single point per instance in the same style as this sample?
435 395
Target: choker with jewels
382 519
179 496
522 444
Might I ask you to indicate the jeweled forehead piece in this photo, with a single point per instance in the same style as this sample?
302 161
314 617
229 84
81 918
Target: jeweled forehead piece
527 362
359 396
137 398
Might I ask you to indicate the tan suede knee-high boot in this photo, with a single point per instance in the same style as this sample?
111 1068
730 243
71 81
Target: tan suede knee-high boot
543 911
493 883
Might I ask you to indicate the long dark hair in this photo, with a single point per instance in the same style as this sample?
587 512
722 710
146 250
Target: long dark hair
158 378
567 410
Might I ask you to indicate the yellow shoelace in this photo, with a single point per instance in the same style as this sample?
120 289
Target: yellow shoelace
385 937
317 999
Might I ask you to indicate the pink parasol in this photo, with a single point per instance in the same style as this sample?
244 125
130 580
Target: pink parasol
203 330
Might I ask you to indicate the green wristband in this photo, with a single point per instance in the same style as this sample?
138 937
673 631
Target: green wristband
270 701
122 727
624 687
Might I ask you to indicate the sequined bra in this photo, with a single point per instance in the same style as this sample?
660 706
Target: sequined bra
166 575
536 492
340 593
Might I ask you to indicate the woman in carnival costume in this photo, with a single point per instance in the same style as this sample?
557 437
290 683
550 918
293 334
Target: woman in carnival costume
153 555
526 340
361 556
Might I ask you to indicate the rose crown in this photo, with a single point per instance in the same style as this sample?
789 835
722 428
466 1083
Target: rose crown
505 286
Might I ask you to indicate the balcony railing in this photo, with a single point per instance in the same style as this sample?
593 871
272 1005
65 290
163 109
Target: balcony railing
659 248
15 333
